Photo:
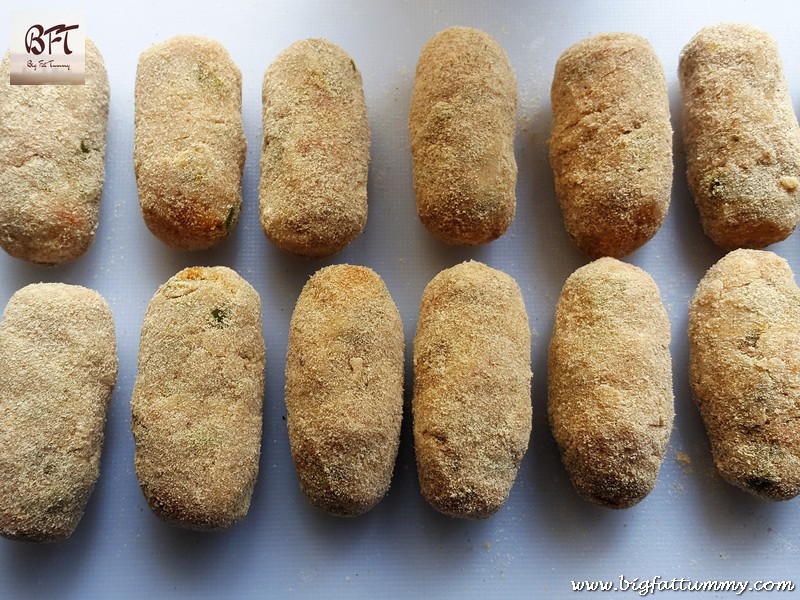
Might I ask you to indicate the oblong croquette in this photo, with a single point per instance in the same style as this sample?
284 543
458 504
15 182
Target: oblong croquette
741 136
315 150
344 388
611 143
58 367
197 402
744 369
52 163
461 123
189 144
609 382
472 389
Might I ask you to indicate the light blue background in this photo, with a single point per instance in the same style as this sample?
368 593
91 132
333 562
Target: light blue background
693 525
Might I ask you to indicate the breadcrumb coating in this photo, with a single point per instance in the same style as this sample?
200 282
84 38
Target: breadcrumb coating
472 389
344 388
609 382
52 163
744 352
315 151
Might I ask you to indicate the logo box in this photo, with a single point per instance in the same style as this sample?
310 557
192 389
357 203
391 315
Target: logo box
47 48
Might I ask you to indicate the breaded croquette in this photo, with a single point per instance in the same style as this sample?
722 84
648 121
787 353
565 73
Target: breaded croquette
344 388
58 367
197 402
472 389
189 144
461 122
744 351
609 382
611 143
741 136
315 151
52 163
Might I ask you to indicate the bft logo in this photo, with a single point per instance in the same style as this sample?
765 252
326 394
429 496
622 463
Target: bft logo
35 38
47 48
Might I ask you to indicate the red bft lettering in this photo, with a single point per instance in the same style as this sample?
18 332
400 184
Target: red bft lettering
34 38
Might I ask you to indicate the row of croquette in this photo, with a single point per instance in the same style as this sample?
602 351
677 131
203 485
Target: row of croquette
196 410
610 145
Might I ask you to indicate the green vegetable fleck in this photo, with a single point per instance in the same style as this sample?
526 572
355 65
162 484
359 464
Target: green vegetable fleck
750 340
84 147
353 64
229 219
207 76
219 318
716 187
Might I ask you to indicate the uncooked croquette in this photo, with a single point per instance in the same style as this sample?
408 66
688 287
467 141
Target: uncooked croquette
744 353
611 143
197 402
609 382
58 367
315 151
52 163
461 123
344 388
472 389
741 136
189 144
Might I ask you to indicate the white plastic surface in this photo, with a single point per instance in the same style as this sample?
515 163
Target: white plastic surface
692 526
